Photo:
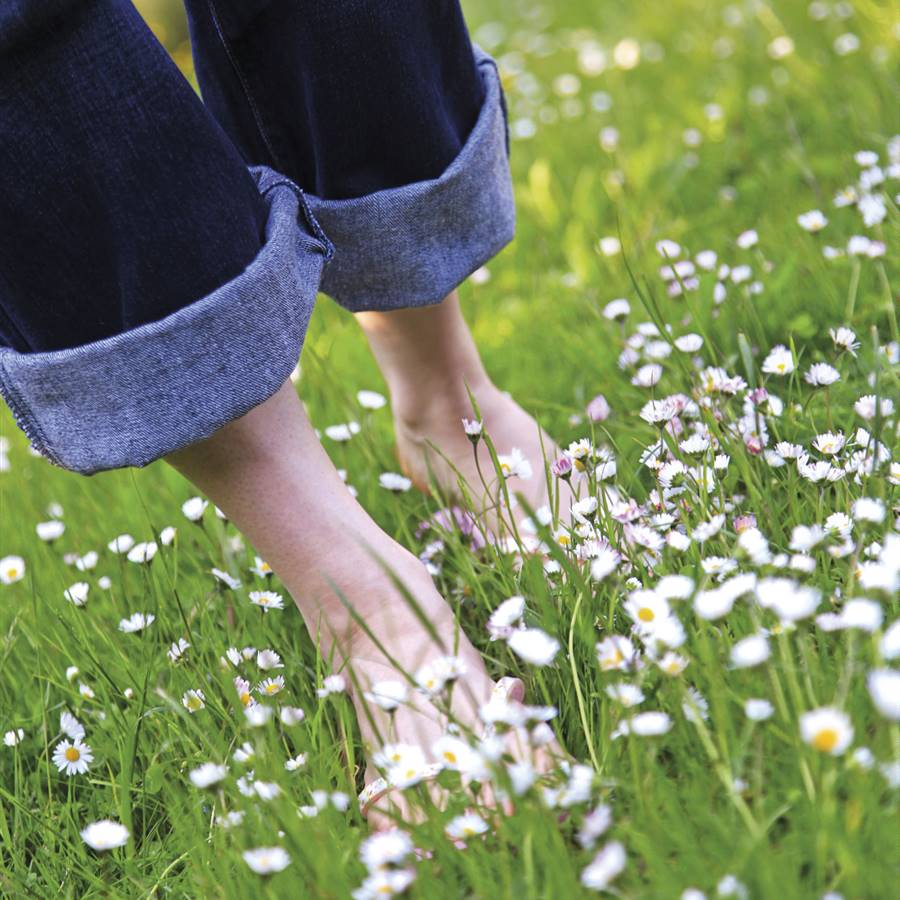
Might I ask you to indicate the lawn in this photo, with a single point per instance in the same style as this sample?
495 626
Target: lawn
727 675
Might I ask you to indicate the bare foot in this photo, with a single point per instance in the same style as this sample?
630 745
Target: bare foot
419 691
430 362
433 447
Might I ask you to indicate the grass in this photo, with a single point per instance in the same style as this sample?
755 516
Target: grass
717 794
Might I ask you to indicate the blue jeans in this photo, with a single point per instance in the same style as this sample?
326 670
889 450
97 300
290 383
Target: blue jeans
161 256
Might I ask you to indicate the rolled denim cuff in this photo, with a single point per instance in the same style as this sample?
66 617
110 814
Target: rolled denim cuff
129 399
412 245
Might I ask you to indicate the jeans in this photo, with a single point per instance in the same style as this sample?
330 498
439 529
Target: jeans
161 256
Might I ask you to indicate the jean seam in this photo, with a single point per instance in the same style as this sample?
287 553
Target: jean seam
245 84
326 246
24 417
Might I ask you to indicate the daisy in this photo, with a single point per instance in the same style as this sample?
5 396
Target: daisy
295 762
176 651
261 567
466 826
194 508
844 340
534 646
605 867
14 737
136 622
12 569
646 609
884 689
105 835
386 848
514 464
257 715
207 775
749 652
342 433
391 481
226 579
868 406
387 695
827 730
266 860
821 375
50 531
70 726
72 757
332 684
271 686
291 715
77 594
121 544
758 710
616 652
829 443
267 600
168 534
193 700
780 361
812 221
473 429
268 659
370 399
650 724
625 693
143 552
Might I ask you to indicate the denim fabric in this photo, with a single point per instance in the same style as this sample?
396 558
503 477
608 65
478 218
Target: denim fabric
121 199
345 97
412 245
151 289
131 398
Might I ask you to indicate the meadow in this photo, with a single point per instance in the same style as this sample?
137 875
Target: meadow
700 304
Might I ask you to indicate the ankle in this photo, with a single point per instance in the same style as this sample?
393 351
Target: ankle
436 398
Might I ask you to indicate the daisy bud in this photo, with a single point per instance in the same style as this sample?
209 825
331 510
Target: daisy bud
473 429
562 468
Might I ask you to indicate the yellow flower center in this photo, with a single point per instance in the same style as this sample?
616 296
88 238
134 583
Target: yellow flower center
612 661
271 688
450 756
11 573
826 740
193 703
645 614
72 754
246 698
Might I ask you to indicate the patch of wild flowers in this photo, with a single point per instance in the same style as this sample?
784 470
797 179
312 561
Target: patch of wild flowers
704 614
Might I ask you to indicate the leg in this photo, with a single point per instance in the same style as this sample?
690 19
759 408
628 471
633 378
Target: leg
414 203
430 362
269 472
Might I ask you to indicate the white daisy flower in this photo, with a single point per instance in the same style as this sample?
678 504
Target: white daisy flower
884 689
77 594
72 757
143 552
534 646
267 860
391 481
136 622
207 775
121 544
50 531
827 730
193 700
70 726
266 600
14 737
105 835
466 826
12 569
370 399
